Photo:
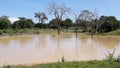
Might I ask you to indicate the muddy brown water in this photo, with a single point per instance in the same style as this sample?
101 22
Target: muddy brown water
47 48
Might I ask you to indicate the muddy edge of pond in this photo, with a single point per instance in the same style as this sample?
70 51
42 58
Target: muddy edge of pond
19 35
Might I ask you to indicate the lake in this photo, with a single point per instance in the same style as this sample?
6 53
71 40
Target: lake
48 47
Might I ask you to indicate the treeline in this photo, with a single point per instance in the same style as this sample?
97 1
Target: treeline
103 24
24 23
85 21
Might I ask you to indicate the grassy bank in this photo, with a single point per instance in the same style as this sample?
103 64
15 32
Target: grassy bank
82 64
10 32
24 31
115 32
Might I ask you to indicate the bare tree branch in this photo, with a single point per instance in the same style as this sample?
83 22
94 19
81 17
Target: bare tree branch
58 12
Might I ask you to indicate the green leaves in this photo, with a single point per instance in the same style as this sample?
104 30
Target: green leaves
23 23
4 23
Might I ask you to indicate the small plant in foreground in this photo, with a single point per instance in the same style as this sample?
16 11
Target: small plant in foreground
110 57
118 59
63 59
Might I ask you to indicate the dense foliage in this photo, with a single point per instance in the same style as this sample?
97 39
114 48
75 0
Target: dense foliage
108 23
66 23
23 23
4 22
102 25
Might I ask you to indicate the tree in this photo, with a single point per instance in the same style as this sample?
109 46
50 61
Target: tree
76 22
5 22
53 23
84 25
66 23
108 23
41 17
58 12
84 19
16 25
23 23
28 23
95 21
41 25
86 15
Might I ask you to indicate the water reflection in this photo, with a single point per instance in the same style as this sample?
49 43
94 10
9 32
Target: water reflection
45 48
108 42
21 40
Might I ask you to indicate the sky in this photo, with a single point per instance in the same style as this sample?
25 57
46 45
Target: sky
27 8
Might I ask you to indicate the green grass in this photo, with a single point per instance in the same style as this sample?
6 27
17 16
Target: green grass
25 31
47 30
115 32
82 64
11 32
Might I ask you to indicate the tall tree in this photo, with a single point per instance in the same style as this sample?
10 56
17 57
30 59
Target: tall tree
66 23
5 22
94 22
108 23
76 21
58 12
86 15
53 23
84 19
41 17
23 23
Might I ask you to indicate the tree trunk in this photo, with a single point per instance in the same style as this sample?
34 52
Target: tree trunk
97 26
58 27
76 28
39 20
